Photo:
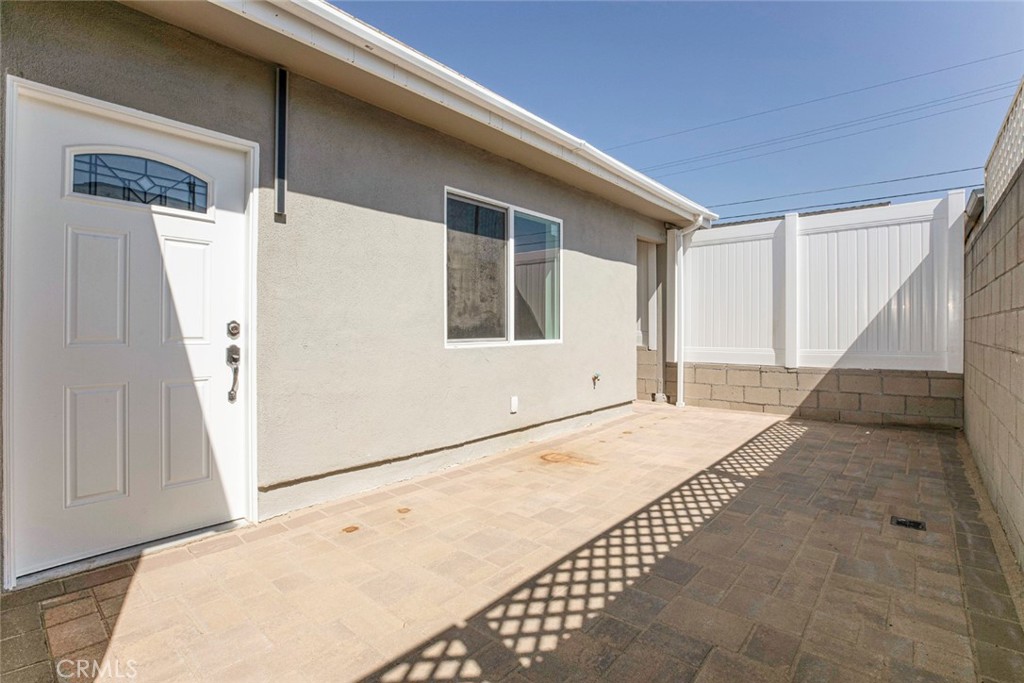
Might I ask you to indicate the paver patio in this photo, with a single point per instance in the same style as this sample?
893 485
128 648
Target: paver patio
671 545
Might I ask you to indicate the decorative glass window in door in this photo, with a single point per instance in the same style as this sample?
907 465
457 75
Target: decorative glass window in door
139 180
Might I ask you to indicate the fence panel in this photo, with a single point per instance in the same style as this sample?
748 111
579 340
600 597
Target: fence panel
870 290
729 289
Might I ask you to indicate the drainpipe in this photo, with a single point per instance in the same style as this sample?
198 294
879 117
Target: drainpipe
701 221
675 297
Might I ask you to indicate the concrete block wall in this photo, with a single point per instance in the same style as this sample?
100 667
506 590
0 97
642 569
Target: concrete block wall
648 374
994 355
896 397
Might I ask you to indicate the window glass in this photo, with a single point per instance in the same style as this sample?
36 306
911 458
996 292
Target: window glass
537 243
477 270
139 180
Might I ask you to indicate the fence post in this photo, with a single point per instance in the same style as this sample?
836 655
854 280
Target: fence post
791 291
953 281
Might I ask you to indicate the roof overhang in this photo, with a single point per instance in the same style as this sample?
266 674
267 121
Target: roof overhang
317 40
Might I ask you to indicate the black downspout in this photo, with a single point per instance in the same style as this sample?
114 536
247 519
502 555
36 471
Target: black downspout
280 147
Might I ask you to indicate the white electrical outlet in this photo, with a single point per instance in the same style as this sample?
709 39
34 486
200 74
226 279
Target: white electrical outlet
513 405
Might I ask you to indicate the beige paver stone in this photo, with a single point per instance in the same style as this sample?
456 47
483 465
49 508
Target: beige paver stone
68 611
22 650
717 626
217 615
97 577
111 607
935 636
798 575
76 634
208 656
950 666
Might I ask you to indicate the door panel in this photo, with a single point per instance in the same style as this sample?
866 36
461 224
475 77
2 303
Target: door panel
186 291
121 430
95 448
97 287
186 446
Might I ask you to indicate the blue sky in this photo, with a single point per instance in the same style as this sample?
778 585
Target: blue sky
617 72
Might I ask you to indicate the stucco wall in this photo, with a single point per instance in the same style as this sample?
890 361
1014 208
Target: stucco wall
360 372
994 356
352 367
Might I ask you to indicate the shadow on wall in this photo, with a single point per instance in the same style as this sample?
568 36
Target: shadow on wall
557 612
845 392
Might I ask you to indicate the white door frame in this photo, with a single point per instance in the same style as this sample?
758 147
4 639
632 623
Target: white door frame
18 88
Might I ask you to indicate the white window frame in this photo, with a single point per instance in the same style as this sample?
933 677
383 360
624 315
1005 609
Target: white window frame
510 313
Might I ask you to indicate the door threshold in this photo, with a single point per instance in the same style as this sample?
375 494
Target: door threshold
131 552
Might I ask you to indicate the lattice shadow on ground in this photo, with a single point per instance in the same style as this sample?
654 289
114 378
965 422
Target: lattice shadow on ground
522 627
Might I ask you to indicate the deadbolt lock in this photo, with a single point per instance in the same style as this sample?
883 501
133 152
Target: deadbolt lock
234 329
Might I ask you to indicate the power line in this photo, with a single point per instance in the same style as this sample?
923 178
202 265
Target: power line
847 187
817 99
837 137
853 201
930 104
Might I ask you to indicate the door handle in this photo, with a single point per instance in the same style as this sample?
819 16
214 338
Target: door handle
234 359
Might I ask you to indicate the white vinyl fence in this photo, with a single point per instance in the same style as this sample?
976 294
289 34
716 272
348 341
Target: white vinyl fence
878 287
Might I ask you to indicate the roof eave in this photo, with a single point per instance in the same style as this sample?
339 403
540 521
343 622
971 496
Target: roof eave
404 80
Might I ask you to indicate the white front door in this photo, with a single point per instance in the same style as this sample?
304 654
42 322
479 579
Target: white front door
127 260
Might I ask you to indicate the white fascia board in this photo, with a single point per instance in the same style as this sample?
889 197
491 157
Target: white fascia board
340 36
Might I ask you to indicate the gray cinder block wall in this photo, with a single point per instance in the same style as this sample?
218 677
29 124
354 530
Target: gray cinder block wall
916 398
994 355
648 374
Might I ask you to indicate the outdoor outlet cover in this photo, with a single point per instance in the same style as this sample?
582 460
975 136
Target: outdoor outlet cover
513 404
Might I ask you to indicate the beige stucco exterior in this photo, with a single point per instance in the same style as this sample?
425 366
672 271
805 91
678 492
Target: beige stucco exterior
352 364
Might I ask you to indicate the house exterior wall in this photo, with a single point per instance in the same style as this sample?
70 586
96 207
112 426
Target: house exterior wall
352 366
994 352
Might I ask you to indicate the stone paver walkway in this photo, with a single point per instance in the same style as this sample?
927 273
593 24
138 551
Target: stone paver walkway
672 545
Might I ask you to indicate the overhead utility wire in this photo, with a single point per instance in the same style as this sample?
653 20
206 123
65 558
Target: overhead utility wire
817 99
837 137
847 187
852 201
930 104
